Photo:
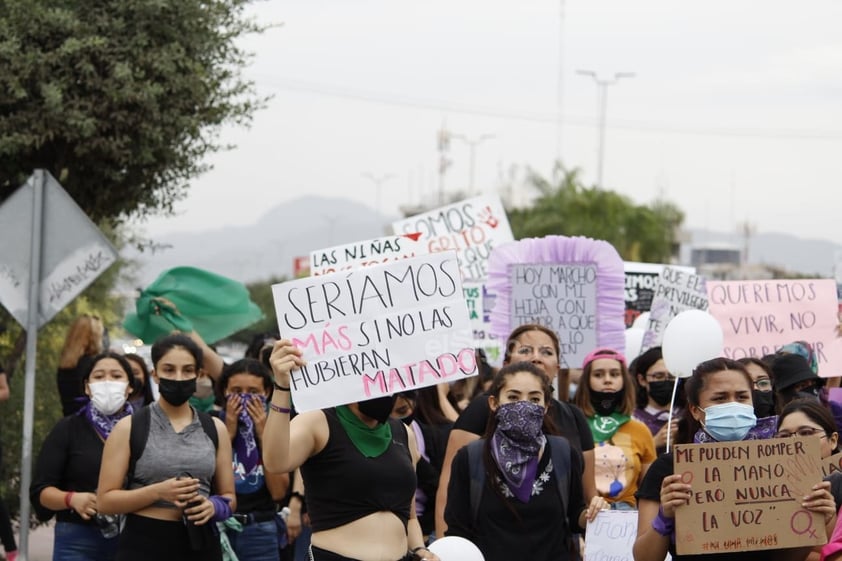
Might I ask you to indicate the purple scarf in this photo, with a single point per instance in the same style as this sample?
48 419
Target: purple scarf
515 445
245 443
103 424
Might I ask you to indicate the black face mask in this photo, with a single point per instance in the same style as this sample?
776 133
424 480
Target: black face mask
378 408
176 392
764 403
605 403
660 392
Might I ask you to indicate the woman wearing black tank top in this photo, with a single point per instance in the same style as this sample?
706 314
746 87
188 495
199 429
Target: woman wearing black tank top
540 346
176 493
358 467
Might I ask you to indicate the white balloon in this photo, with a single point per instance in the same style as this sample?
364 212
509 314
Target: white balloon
454 548
641 321
691 337
634 341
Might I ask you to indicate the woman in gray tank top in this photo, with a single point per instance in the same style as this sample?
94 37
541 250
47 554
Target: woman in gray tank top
182 480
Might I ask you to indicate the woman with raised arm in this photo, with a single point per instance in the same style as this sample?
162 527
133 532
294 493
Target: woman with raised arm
358 467
168 467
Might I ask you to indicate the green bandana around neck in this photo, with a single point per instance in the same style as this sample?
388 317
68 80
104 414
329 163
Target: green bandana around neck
203 404
371 442
603 428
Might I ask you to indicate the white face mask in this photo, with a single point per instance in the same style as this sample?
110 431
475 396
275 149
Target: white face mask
108 397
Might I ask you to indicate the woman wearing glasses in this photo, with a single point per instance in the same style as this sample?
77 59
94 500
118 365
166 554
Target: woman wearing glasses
805 418
719 407
655 385
761 393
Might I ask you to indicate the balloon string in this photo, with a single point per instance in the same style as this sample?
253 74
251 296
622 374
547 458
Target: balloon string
672 408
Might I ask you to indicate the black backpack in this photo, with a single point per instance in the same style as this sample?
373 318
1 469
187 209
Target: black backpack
141 421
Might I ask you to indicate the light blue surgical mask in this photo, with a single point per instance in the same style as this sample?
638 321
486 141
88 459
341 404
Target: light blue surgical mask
729 422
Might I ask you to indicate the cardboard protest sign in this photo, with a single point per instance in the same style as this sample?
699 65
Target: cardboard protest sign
472 228
831 464
365 253
480 303
611 536
746 495
376 330
759 317
641 279
573 285
675 292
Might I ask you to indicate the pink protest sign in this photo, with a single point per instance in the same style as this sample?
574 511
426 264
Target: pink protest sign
759 317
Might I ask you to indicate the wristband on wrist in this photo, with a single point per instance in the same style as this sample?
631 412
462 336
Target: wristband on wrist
221 508
67 498
297 495
663 525
279 409
280 387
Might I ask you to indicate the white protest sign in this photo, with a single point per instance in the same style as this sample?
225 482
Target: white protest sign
480 303
366 253
562 297
73 251
677 290
641 281
611 536
376 330
472 228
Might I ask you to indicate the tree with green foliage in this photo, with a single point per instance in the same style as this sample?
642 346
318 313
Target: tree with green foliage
566 207
121 100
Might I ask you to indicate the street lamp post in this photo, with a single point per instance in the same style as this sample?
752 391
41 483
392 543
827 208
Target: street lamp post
378 184
602 84
472 146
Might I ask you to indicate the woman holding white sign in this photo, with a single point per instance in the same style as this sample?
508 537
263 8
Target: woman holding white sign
358 467
719 403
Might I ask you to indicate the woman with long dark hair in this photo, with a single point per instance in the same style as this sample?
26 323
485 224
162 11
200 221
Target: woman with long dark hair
517 493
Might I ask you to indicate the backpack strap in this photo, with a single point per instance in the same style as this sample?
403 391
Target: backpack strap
477 471
560 456
141 420
209 427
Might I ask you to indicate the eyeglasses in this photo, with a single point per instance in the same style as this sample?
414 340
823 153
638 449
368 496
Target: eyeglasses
660 377
802 432
763 385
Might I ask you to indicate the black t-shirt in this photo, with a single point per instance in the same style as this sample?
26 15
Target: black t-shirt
502 536
569 420
650 489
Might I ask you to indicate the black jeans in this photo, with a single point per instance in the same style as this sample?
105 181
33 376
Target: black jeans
145 539
319 554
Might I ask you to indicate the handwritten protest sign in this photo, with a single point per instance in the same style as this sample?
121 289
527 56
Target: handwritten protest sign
831 464
566 291
675 292
376 330
641 280
759 317
472 228
611 536
746 495
561 297
480 303
365 253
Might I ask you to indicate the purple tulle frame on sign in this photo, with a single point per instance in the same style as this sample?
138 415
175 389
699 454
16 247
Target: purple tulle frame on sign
610 330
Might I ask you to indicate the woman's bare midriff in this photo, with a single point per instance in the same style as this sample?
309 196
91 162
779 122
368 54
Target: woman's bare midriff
380 536
160 513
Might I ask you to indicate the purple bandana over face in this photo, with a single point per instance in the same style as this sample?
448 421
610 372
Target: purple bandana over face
246 454
515 445
102 423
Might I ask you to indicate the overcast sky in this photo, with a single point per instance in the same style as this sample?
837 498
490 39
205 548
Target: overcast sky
734 113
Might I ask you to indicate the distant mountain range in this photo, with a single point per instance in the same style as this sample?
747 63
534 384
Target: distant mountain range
267 248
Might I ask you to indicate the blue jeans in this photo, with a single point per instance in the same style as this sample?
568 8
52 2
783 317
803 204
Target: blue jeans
620 505
80 542
257 542
302 543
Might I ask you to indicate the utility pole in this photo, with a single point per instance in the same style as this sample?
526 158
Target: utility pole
472 146
378 184
444 161
602 85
